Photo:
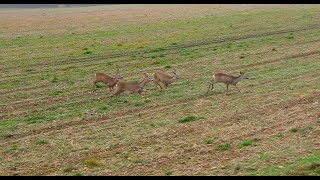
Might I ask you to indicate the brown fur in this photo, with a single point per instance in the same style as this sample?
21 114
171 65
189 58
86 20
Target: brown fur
132 87
108 80
226 79
160 77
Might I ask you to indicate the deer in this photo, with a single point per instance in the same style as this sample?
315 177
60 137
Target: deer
226 79
108 80
160 77
132 87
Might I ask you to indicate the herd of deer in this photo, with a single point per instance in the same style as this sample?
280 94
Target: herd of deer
117 86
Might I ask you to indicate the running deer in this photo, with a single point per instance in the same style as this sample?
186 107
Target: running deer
132 87
226 79
110 81
160 77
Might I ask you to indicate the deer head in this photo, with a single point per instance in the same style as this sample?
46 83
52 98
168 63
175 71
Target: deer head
118 76
176 74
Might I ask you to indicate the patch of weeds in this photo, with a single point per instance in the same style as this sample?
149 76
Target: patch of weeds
41 142
173 43
157 49
153 57
6 134
168 67
100 85
237 167
103 108
290 36
91 163
189 118
41 37
85 49
88 52
56 93
279 136
78 174
169 172
229 45
116 101
208 141
109 64
138 104
54 80
30 70
159 62
34 119
12 149
119 45
252 170
242 57
223 147
126 155
245 144
294 129
139 161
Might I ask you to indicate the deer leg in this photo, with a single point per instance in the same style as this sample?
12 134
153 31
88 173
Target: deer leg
166 86
158 84
227 89
210 85
237 88
141 92
116 94
110 89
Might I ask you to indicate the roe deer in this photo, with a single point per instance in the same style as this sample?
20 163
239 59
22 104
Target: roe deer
226 79
110 81
160 77
132 87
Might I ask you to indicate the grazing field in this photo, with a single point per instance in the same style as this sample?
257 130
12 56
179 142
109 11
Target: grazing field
54 121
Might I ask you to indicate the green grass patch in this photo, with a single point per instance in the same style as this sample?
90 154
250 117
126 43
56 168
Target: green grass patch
13 149
100 85
87 52
186 119
42 142
208 141
169 172
54 80
294 129
56 93
224 147
139 161
78 174
306 166
245 144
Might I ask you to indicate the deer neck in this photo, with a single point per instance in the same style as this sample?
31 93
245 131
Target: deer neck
143 83
238 79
